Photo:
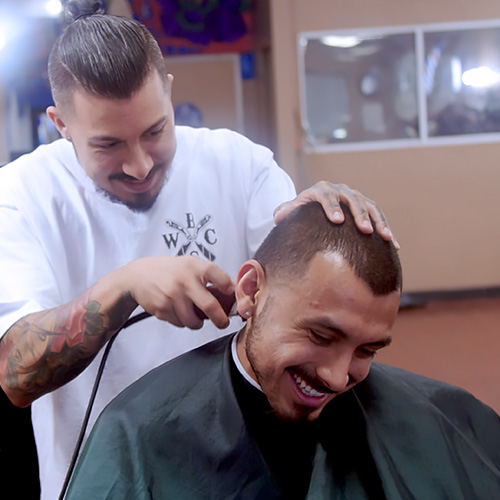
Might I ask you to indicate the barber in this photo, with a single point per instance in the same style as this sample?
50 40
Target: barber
125 210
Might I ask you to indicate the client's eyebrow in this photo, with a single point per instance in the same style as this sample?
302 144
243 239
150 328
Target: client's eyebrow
327 324
379 344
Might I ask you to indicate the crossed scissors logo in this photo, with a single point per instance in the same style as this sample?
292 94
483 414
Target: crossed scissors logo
191 235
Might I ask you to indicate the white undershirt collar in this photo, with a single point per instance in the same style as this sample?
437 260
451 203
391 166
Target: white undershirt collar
240 367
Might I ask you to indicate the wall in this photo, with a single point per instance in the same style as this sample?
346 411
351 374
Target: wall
214 90
442 202
211 83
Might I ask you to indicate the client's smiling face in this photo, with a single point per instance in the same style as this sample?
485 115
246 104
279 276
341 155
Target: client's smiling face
315 337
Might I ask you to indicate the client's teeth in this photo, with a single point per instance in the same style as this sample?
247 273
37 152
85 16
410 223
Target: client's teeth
306 388
315 393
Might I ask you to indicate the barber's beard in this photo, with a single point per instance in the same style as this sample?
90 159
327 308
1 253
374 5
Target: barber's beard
138 206
144 201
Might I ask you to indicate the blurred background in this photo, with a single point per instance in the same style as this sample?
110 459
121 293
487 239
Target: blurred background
400 100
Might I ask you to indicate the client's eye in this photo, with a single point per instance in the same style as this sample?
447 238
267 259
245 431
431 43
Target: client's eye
318 339
366 353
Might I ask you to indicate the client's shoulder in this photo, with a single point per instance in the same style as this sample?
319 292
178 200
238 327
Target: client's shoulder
389 381
165 387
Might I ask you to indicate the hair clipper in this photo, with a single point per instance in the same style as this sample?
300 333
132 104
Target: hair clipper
228 303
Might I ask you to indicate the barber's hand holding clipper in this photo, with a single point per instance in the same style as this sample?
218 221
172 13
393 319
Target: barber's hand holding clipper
46 349
174 289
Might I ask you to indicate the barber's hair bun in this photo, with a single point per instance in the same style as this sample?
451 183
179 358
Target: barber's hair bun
76 9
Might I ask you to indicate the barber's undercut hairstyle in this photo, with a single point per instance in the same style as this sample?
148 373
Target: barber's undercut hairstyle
290 246
107 56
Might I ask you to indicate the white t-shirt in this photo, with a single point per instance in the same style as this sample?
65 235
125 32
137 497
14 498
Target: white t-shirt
59 235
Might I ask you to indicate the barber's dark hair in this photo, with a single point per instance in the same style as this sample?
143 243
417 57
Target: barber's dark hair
107 56
290 246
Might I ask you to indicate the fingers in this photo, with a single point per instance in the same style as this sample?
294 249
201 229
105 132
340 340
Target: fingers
283 210
214 301
219 279
326 193
357 203
172 288
175 308
212 309
362 209
330 196
189 308
381 223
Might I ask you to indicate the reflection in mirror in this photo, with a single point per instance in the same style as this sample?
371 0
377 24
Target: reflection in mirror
359 88
462 81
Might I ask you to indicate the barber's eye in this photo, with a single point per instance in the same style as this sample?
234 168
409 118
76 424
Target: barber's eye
157 132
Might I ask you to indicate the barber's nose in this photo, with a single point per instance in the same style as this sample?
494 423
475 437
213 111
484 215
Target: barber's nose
138 164
335 374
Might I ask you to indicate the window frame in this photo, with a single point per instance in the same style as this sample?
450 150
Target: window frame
423 140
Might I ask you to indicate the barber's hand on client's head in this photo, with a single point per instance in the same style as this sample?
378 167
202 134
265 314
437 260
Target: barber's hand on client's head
330 195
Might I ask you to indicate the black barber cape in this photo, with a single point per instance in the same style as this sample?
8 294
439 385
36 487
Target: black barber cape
179 433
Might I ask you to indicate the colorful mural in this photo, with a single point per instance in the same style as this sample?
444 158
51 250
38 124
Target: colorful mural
198 26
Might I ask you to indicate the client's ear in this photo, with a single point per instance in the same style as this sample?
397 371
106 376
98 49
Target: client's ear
251 279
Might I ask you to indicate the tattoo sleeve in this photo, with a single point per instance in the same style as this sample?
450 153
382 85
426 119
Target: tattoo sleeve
45 350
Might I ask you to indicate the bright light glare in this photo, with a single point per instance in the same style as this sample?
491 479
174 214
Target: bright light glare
480 77
340 133
341 41
456 74
53 7
6 33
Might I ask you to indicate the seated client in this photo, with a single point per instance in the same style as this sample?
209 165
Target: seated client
292 407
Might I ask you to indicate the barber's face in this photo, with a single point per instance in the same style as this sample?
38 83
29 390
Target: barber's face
124 145
314 338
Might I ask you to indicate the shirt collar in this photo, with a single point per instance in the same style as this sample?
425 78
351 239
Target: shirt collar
239 366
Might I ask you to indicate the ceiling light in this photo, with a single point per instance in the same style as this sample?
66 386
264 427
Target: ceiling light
53 7
483 76
341 41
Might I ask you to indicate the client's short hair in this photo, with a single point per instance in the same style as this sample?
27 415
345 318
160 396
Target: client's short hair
289 247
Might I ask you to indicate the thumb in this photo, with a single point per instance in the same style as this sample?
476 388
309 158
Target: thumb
283 210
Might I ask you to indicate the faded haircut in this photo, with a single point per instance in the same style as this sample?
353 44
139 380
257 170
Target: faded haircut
289 247
106 56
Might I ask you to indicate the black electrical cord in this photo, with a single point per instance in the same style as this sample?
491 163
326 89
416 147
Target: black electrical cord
227 302
90 405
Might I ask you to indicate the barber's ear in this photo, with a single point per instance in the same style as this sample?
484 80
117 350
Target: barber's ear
54 115
251 279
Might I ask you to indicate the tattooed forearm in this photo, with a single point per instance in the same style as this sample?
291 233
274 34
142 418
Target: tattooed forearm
70 323
45 350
